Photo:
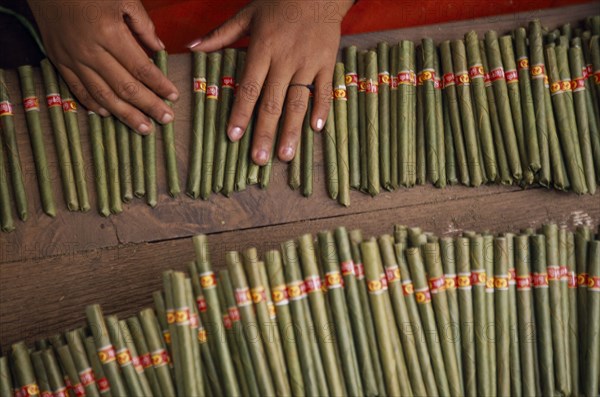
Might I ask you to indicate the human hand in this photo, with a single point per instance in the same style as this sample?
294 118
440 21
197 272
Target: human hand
293 43
95 46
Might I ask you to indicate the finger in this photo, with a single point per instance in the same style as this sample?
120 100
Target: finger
253 77
322 98
296 104
80 92
107 98
269 111
226 34
140 23
133 58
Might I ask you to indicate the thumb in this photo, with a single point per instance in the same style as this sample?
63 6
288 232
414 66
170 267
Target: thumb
141 25
226 34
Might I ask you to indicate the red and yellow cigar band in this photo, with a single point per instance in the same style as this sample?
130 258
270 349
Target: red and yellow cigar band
339 93
324 285
31 103
31 389
497 74
594 284
313 284
578 84
538 71
426 75
258 294
137 365
448 79
103 385
423 295
5 109
62 392
523 63
182 316
227 321
565 85
212 92
564 273
476 71
69 105
371 87
407 287
201 302
489 284
478 277
413 78
394 82
272 310
590 69
53 100
359 270
582 279
584 72
146 360
597 77
334 280
512 276
124 357
351 79
167 337
362 85
87 377
47 394
375 287
200 84
511 76
234 313
160 358
555 88
553 273
347 268
384 281
501 282
67 382
279 295
450 281
571 280
383 78
464 280
106 354
523 282
194 321
540 280
462 79
437 83
202 337
170 316
405 77
393 274
243 297
296 290
79 390
437 284
227 82
208 280
487 81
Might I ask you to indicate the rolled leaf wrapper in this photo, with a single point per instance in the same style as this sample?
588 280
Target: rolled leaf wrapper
372 122
307 153
266 171
40 374
245 164
583 234
340 104
490 332
573 321
451 171
9 136
233 148
439 118
420 149
158 353
32 114
564 293
515 360
57 120
98 371
200 375
112 164
383 82
54 374
105 350
6 218
137 164
427 77
145 359
69 370
168 133
244 302
98 156
394 140
412 136
161 313
225 101
295 293
123 148
174 339
502 324
362 119
463 82
592 353
404 111
591 100
351 81
210 124
149 151
23 368
331 162
453 112
294 170
5 375
197 137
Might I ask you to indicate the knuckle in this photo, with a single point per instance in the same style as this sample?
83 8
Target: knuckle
297 106
271 107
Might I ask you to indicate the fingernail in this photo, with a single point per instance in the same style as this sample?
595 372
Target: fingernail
287 152
194 43
235 133
262 156
161 44
143 128
173 97
166 118
103 112
319 124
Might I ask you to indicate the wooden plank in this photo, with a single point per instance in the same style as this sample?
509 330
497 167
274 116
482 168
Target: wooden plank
41 297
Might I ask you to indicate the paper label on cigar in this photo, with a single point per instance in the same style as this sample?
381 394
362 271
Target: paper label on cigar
362 85
201 302
296 290
384 78
258 294
501 282
200 85
103 385
523 283
450 281
571 280
208 280
564 273
279 295
30 390
67 382
408 287
497 74
437 83
487 82
437 284
478 277
426 75
167 337
136 363
124 357
53 100
312 284
347 268
227 321
392 273
489 284
212 92
323 285
423 295
202 336
62 392
523 63
597 77
578 84
375 287
511 76
243 297
371 87
553 273
227 82
359 270
565 85
69 105
404 77
584 72
106 354
476 71
339 93
512 276
540 280
31 103
6 109
194 321
538 71
146 360
79 390
582 280
384 281
448 79
47 394
272 310
87 377
182 316
594 284
160 358
462 79
590 69
334 280
351 79
170 316
464 281
394 82
234 313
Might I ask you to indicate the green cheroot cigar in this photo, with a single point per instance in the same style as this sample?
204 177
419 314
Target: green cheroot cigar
124 151
405 112
53 371
40 374
6 218
70 372
502 325
92 355
210 123
23 368
340 104
5 375
307 152
394 163
439 118
330 156
32 114
112 164
197 137
137 164
362 119
136 358
149 154
82 365
98 157
592 354
383 81
372 122
427 78
351 81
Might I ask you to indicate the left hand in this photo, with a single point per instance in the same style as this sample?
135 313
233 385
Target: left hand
291 42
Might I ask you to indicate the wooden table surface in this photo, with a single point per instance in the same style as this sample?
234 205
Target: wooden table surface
50 269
